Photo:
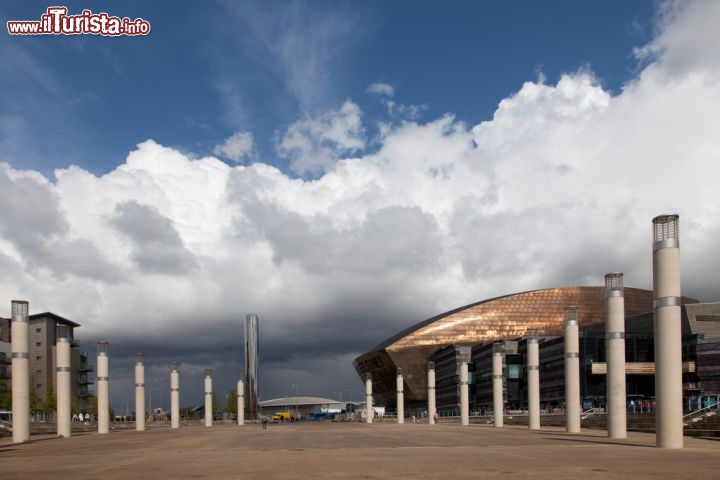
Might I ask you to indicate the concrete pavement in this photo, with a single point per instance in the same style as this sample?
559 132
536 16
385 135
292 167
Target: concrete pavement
356 451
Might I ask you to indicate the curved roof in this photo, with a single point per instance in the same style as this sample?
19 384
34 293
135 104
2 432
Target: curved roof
506 317
292 401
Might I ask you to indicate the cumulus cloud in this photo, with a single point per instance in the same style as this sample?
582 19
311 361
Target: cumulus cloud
558 188
313 145
236 147
384 89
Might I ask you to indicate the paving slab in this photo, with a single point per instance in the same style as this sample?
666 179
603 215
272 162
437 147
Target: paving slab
327 450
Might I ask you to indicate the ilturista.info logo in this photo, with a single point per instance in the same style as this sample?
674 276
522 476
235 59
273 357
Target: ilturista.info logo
56 21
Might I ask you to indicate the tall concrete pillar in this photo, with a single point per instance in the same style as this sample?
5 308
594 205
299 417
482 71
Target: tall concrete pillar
400 397
208 398
252 363
615 354
103 392
174 394
464 395
533 379
572 370
139 392
62 381
20 371
431 393
668 333
241 402
497 368
369 411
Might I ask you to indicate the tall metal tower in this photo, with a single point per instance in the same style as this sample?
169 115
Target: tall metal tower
251 364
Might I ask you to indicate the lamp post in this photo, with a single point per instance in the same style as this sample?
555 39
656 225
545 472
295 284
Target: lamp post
349 394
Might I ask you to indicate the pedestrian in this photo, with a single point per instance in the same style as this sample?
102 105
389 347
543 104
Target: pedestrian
264 422
435 417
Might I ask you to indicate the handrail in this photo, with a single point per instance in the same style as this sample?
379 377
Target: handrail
698 413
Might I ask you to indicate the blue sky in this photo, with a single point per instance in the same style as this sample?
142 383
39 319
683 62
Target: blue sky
345 170
209 69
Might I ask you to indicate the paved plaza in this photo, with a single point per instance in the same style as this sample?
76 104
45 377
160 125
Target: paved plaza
356 450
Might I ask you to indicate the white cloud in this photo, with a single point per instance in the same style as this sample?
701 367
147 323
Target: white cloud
236 147
315 144
384 89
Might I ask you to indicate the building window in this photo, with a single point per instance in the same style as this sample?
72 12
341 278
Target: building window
39 357
38 330
38 344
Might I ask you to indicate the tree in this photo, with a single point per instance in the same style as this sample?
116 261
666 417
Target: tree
215 405
5 397
231 406
50 403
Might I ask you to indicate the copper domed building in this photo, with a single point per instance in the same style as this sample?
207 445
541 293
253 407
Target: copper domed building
502 318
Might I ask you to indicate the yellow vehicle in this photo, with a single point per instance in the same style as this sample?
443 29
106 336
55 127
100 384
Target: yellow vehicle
282 417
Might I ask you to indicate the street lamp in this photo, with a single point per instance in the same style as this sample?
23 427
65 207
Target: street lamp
349 394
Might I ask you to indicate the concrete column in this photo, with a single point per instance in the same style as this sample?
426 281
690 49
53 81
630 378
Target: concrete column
103 393
533 379
400 397
497 368
241 402
208 398
20 371
615 354
174 394
62 382
369 412
431 393
668 333
139 392
464 395
572 370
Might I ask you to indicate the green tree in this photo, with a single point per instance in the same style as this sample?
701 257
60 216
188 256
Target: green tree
5 397
231 405
215 405
92 405
50 403
34 400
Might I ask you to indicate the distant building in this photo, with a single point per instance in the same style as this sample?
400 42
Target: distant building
42 330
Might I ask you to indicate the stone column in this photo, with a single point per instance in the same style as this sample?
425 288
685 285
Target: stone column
369 412
464 395
431 393
139 392
20 371
572 370
208 398
400 397
174 394
103 392
241 402
668 332
497 368
533 379
62 385
615 354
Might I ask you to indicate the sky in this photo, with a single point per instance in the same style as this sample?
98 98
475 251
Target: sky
344 170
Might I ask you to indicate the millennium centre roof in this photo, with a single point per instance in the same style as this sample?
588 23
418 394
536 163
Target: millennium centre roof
500 318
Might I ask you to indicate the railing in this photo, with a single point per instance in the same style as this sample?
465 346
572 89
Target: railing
5 425
591 411
700 414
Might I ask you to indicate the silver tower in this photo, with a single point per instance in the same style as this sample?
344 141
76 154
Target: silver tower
251 365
